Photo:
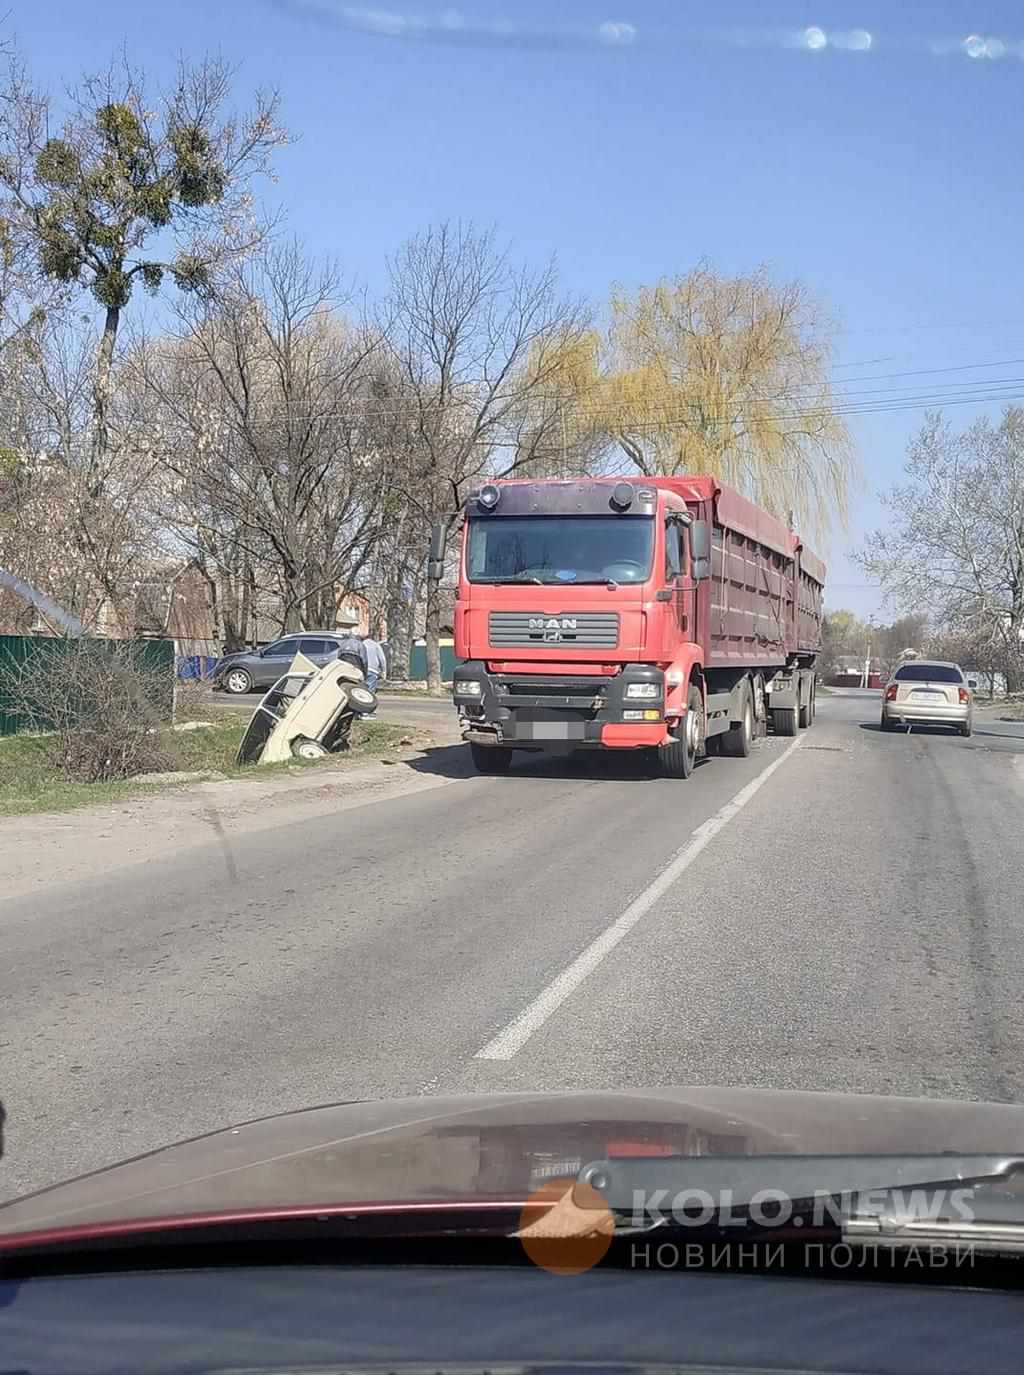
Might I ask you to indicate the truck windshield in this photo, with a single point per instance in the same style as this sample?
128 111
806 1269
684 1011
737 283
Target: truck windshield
560 549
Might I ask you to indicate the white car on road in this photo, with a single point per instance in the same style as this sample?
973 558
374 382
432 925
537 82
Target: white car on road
928 693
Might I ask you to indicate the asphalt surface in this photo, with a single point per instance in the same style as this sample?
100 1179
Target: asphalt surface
854 921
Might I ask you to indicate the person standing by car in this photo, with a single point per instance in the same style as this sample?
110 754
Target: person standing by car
376 660
350 648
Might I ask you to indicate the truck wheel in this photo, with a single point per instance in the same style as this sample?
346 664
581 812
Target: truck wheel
490 758
737 742
679 756
806 716
785 719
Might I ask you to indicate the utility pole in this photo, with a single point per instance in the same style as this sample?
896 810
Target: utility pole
867 657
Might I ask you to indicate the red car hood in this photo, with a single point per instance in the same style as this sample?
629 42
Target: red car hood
488 1147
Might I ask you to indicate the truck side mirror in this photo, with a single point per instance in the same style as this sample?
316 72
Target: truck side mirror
700 550
435 559
700 540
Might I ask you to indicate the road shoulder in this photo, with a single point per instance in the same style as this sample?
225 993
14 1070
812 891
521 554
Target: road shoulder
39 850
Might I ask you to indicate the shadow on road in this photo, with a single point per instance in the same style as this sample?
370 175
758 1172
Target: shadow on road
948 732
454 761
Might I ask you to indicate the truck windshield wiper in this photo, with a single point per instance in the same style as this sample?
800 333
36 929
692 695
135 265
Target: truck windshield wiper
520 577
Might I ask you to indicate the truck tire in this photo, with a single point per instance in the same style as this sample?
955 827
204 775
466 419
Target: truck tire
679 756
785 720
738 741
492 759
807 711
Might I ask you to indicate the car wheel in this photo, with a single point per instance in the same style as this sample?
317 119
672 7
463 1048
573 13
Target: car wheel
304 748
362 701
237 681
967 727
492 759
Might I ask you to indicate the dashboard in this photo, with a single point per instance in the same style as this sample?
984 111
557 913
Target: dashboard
449 1318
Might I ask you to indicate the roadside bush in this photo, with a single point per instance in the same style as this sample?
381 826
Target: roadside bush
103 704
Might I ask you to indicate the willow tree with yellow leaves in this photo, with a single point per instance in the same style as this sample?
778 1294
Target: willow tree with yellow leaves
725 375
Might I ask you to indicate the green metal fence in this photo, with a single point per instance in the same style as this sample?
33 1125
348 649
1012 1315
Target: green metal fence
418 662
18 652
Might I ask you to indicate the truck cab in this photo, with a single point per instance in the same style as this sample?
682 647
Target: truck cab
576 615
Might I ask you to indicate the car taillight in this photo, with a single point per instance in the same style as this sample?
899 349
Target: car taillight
890 692
965 696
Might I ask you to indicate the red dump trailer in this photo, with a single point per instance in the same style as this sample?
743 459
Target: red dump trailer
668 613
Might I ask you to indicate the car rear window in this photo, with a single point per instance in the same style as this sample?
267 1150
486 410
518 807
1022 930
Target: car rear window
928 673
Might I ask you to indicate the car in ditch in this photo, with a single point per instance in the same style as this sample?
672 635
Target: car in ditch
307 714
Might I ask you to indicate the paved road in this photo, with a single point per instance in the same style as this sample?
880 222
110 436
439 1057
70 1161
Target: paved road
855 923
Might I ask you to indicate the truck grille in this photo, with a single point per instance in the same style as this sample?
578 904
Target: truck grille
573 629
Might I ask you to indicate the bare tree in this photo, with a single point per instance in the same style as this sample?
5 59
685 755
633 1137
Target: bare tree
478 341
265 427
75 527
954 547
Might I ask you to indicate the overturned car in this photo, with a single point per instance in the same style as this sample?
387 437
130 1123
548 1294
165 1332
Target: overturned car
307 714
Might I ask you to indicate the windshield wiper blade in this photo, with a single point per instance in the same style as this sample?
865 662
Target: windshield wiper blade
653 1188
522 577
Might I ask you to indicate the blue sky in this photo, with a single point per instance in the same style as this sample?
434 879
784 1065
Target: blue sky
633 138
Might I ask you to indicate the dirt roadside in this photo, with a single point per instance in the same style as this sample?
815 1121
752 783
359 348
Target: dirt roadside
44 849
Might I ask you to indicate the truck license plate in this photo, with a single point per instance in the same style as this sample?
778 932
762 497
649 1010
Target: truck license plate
551 730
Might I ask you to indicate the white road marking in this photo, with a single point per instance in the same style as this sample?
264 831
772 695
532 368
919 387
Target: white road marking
514 1036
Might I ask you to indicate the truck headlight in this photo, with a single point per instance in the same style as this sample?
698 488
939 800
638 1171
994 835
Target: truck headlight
635 690
468 688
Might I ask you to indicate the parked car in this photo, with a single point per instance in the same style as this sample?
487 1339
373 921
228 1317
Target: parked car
255 669
927 692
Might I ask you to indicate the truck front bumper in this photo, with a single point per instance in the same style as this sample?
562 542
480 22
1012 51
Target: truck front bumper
538 711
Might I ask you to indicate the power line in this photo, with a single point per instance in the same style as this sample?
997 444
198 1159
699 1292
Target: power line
621 412
925 372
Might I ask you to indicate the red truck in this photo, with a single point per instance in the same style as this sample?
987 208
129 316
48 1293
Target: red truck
666 613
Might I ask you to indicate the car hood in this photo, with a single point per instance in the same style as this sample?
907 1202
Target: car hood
488 1147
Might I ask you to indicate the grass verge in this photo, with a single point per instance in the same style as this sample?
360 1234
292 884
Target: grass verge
30 782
